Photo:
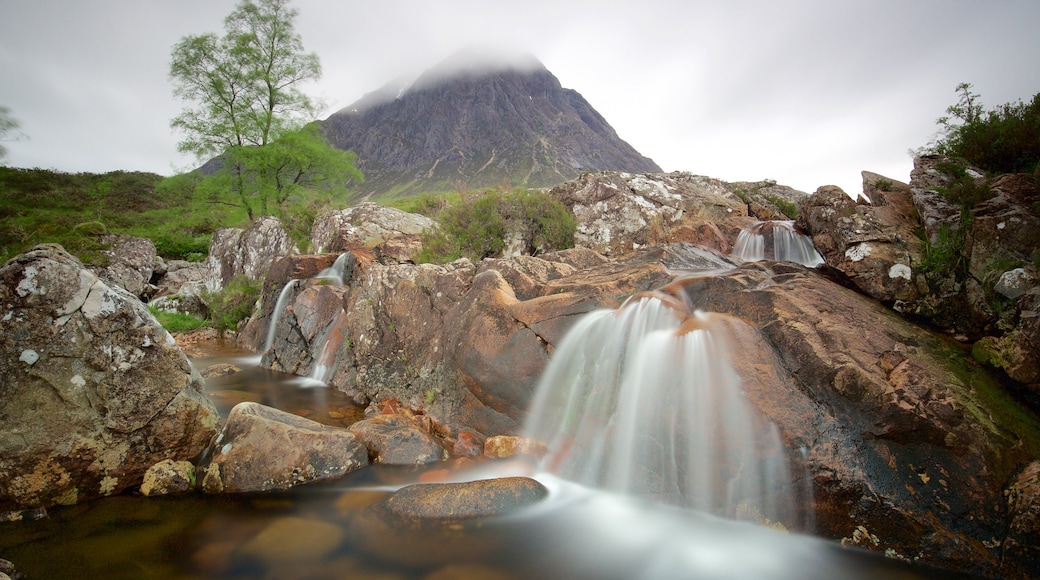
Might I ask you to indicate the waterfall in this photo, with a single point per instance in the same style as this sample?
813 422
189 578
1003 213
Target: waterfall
337 270
642 400
754 242
279 307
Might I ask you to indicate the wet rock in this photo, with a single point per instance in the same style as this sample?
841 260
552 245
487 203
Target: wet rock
94 390
506 446
220 370
365 225
397 440
900 433
449 502
235 252
261 448
168 477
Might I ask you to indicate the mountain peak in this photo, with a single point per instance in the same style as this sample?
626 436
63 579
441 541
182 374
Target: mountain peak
480 118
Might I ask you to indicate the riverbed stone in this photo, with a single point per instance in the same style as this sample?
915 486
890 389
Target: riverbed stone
94 390
397 440
262 448
168 477
448 502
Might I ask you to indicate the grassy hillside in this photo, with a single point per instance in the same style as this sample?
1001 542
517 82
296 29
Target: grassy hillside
39 206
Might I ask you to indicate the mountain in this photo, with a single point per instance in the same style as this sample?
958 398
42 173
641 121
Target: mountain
478 120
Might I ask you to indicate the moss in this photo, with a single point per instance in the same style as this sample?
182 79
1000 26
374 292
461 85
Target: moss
991 407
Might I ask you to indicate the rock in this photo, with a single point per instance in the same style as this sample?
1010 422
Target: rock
927 179
1014 283
181 287
506 446
452 502
261 448
94 390
1022 543
400 249
168 477
234 252
875 247
294 540
621 212
129 263
900 434
365 225
396 440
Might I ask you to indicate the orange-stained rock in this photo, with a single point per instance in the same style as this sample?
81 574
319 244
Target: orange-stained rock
505 446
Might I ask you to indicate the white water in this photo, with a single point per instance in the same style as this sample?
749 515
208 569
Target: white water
787 244
642 400
334 273
276 314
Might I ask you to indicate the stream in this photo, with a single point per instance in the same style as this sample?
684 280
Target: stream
328 529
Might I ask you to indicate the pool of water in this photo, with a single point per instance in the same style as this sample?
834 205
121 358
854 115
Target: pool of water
336 529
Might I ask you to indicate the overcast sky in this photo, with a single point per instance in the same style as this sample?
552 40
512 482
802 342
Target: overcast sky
805 92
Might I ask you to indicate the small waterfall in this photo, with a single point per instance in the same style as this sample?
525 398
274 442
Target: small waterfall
333 338
642 400
337 270
279 307
787 245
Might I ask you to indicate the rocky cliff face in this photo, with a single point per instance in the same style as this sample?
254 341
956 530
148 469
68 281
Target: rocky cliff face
472 123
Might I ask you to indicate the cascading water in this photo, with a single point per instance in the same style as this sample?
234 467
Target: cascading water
642 400
337 270
276 314
787 245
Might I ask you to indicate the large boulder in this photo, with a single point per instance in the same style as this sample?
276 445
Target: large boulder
93 391
365 225
873 245
261 449
249 252
618 213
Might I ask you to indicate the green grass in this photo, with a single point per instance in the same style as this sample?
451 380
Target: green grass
176 321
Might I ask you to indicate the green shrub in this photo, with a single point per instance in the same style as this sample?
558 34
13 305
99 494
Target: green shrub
234 303
884 184
177 321
946 256
1002 140
788 208
475 227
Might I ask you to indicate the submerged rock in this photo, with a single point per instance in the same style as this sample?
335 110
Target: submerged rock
447 502
94 391
261 448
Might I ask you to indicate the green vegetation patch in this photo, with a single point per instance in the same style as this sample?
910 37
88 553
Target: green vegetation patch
234 303
476 226
177 321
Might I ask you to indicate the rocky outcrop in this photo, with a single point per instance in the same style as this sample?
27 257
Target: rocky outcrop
235 252
901 433
618 213
261 448
414 333
365 225
873 245
94 390
168 477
